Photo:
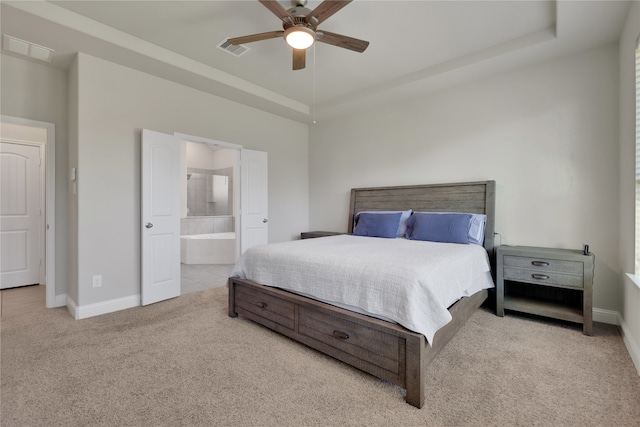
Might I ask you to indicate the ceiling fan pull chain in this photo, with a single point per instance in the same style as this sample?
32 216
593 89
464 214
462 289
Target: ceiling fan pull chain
314 84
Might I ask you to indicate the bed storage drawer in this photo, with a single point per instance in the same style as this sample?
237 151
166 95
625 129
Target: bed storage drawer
266 306
369 345
372 345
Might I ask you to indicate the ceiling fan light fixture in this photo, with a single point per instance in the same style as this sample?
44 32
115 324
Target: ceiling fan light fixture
299 37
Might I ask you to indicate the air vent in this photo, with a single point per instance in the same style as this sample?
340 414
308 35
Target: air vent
233 49
23 47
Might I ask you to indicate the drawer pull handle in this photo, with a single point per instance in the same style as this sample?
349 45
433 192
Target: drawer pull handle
540 276
262 304
540 263
340 335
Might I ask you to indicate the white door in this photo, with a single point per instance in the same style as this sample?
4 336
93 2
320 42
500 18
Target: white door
20 215
254 207
160 217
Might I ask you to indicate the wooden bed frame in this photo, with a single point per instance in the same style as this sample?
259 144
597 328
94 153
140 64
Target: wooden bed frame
383 349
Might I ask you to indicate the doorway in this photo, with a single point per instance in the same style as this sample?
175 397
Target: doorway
164 203
210 206
208 244
32 137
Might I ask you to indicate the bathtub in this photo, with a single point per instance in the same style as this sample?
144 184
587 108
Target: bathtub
216 248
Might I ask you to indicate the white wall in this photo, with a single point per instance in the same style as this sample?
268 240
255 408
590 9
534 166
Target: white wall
201 156
631 310
546 133
115 103
39 92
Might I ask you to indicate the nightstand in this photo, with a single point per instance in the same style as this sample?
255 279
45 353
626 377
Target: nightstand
314 234
556 283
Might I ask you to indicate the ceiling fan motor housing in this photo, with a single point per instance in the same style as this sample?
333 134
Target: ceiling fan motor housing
299 15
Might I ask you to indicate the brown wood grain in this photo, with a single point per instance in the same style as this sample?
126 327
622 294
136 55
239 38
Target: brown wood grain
383 349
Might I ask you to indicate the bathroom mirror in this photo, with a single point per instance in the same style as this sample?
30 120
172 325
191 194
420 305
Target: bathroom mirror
208 193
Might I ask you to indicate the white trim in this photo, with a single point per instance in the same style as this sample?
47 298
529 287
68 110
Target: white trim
606 316
50 203
615 318
60 300
192 138
634 279
104 307
632 346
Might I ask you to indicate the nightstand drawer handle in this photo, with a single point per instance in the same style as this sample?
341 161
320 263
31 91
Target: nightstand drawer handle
540 263
540 276
262 304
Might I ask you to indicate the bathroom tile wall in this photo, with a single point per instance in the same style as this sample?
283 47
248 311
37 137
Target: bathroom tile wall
206 225
199 190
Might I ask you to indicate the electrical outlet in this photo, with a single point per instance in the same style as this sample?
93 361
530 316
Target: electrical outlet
97 281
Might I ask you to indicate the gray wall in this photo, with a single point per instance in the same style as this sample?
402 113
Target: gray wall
39 92
546 133
105 106
631 309
115 103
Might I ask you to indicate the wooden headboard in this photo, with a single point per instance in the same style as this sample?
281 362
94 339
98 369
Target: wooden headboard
471 197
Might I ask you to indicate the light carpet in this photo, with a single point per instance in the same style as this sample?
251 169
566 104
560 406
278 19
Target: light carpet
184 362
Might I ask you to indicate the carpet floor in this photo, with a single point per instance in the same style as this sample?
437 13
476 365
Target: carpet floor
184 362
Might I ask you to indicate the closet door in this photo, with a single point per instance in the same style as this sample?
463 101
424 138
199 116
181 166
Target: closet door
20 215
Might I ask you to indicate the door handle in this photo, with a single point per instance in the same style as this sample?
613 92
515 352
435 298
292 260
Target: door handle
148 225
265 220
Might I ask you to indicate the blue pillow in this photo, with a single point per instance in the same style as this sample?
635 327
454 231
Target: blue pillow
440 227
377 225
402 226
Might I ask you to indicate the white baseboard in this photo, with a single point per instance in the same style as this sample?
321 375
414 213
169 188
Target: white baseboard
614 318
609 317
90 310
632 345
59 301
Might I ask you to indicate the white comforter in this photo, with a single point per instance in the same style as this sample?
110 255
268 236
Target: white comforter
407 281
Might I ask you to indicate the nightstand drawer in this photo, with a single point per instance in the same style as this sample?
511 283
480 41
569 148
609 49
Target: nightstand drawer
542 277
544 264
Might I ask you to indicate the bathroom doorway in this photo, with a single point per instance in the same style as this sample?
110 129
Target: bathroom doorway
249 207
208 244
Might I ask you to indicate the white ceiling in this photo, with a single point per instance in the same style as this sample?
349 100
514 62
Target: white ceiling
415 46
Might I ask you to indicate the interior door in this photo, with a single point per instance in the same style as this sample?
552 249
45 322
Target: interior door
254 201
160 217
20 215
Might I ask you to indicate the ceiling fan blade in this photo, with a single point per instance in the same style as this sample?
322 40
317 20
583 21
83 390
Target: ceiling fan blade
277 9
299 58
255 37
326 9
345 42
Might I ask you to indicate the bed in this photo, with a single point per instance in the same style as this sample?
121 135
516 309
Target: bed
380 347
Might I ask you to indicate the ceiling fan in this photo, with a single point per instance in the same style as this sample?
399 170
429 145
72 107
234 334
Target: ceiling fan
300 28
